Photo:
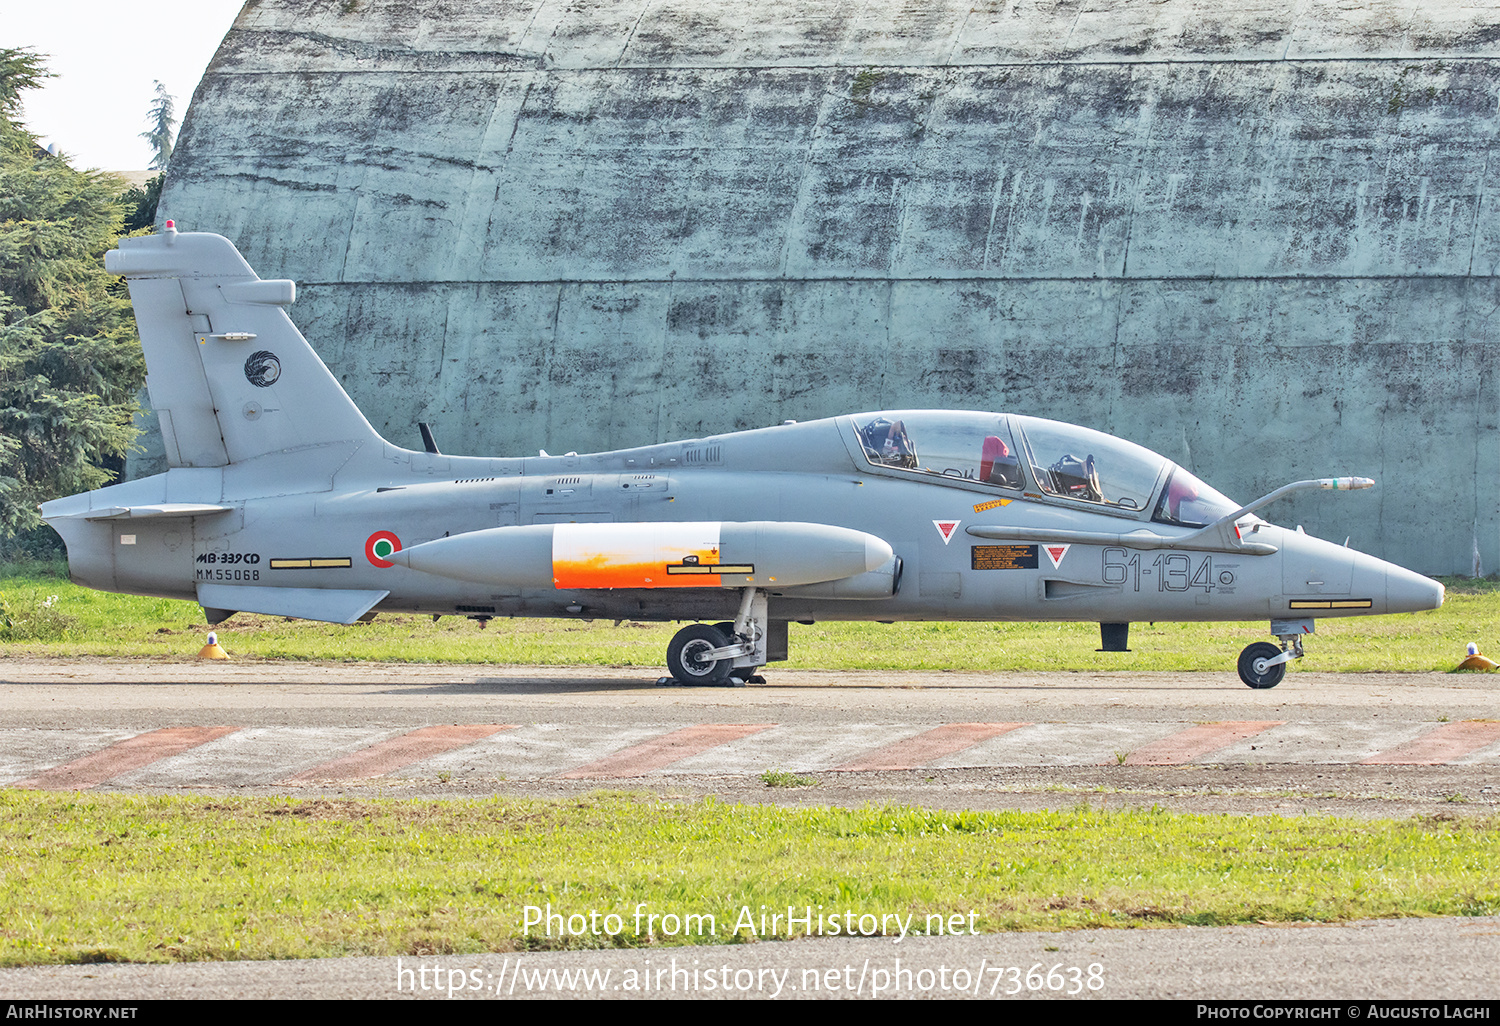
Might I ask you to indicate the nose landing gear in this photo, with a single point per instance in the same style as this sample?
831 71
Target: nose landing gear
1263 665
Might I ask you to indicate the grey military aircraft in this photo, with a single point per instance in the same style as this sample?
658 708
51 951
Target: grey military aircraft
282 499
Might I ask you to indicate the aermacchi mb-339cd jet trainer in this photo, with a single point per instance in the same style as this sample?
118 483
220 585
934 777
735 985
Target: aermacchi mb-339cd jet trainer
282 499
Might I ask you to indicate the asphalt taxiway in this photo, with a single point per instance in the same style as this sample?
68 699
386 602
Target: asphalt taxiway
1363 744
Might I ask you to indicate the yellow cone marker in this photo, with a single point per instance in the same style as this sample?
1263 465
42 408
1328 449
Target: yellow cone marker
213 651
1475 661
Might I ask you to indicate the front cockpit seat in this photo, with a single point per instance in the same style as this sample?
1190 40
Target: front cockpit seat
997 465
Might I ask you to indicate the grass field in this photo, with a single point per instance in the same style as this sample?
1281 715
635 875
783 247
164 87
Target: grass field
119 878
108 877
44 614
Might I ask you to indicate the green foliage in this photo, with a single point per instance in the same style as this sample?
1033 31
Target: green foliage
163 124
20 70
141 204
111 877
786 778
70 360
34 620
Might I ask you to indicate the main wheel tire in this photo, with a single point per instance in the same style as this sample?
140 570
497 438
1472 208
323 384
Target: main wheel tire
685 656
1253 670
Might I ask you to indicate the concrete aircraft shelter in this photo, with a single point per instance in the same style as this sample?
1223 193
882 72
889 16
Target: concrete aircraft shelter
1262 241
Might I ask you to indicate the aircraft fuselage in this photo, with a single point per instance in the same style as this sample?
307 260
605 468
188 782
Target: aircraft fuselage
792 473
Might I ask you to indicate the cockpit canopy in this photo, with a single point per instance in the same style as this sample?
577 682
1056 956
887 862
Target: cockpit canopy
1046 457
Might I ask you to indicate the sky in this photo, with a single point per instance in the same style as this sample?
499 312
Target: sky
107 57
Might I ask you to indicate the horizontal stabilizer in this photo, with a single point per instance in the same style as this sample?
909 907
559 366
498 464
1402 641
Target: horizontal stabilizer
165 510
331 605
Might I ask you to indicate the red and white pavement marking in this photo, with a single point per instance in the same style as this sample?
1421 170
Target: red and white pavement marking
27 752
399 752
255 756
793 747
1196 742
535 751
227 756
1062 744
1448 743
660 752
929 746
132 753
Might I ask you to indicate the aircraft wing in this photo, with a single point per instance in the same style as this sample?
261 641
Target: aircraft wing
331 605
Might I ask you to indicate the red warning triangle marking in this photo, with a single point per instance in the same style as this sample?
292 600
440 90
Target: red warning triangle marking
946 528
1056 553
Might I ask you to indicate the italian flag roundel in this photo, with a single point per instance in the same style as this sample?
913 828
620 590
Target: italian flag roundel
379 545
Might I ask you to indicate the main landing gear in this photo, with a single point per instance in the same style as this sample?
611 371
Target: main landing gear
712 655
1262 665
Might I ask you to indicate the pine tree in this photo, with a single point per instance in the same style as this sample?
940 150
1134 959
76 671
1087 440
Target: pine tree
141 203
163 125
70 360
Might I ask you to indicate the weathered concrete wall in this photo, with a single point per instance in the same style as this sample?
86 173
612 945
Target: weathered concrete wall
1262 241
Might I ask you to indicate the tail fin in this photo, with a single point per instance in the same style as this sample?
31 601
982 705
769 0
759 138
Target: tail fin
230 376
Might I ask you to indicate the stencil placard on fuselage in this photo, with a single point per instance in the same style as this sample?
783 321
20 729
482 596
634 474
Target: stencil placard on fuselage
1003 557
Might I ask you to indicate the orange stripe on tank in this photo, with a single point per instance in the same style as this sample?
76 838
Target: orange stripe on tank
600 572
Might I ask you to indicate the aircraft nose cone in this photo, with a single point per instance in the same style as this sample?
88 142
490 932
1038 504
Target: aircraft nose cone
1409 592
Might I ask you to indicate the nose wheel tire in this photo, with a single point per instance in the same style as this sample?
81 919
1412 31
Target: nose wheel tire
1253 669
686 656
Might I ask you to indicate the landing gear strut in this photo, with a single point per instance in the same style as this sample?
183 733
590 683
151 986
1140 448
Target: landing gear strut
1263 665
708 655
